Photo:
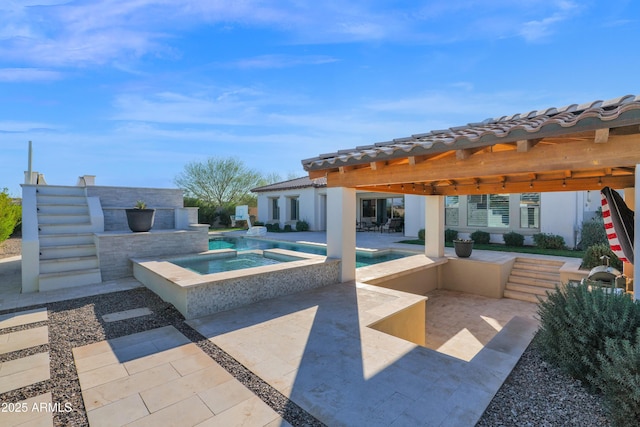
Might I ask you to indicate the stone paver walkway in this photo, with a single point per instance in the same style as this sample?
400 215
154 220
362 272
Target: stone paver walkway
24 371
159 377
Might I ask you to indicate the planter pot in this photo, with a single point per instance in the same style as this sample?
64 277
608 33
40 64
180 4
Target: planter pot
140 219
463 248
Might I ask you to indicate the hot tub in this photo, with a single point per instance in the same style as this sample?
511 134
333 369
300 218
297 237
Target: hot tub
197 294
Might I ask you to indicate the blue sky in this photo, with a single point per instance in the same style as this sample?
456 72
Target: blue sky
132 90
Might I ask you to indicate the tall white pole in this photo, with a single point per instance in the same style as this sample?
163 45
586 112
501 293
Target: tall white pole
29 166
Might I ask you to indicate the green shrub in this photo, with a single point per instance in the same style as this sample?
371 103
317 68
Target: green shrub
273 227
513 239
592 233
421 234
10 215
481 237
619 380
592 257
450 235
302 226
574 323
549 241
288 228
257 223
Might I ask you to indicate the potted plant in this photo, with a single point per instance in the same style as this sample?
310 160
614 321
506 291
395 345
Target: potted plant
140 218
463 247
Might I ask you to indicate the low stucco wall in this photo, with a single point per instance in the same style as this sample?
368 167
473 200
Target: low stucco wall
416 274
115 249
420 275
408 324
476 277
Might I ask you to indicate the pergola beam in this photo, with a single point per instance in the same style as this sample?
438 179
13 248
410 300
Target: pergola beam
622 151
602 136
530 186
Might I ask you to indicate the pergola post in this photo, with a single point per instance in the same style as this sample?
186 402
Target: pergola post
636 236
630 200
341 229
434 226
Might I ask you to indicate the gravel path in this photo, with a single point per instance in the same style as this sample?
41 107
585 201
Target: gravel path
538 394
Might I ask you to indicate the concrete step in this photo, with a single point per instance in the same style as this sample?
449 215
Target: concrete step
522 296
57 209
519 287
542 283
542 268
84 227
63 219
54 199
63 239
67 279
57 190
524 277
67 251
550 277
540 261
59 265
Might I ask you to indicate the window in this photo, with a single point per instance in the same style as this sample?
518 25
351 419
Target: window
369 208
451 210
488 210
395 207
275 209
294 209
530 210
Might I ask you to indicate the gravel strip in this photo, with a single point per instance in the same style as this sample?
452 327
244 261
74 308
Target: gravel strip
75 323
10 247
539 394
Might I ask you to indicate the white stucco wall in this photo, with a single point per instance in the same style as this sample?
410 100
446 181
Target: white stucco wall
414 214
561 213
309 206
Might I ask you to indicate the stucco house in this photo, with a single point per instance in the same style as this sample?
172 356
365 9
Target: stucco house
559 213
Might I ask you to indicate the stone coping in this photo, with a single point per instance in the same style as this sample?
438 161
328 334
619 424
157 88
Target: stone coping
193 228
185 278
384 271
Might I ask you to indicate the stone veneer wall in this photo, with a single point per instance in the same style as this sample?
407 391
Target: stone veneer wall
115 250
115 200
226 294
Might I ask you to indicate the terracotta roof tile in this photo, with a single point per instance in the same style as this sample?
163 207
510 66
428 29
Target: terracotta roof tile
302 182
490 131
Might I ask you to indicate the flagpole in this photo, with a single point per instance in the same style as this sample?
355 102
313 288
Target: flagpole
29 166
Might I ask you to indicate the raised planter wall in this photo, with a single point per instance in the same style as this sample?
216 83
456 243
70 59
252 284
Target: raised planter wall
115 249
115 200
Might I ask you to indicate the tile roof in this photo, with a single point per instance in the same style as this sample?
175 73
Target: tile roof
302 182
533 124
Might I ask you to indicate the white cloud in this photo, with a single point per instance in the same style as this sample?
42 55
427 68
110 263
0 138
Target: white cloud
281 61
28 75
18 126
536 30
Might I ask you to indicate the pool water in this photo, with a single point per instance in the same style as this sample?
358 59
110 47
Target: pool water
241 244
205 265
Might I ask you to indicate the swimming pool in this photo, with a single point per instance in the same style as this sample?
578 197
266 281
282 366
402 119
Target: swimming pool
363 258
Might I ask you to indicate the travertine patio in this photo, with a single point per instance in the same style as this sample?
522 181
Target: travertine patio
316 348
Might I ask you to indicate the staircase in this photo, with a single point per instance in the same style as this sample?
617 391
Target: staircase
68 254
531 278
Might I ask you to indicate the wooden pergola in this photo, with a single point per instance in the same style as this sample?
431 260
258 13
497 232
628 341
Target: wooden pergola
577 147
